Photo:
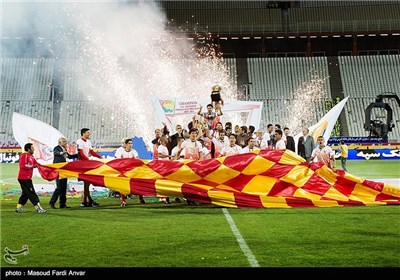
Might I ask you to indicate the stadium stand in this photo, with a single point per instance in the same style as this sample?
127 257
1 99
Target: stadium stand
369 27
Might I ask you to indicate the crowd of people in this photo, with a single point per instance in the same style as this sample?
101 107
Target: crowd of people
205 137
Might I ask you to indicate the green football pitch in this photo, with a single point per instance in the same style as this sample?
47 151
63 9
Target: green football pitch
157 235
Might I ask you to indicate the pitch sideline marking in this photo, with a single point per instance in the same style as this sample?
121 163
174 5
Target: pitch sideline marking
242 243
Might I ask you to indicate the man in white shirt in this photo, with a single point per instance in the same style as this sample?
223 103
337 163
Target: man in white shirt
232 149
323 154
280 143
177 152
85 151
250 147
192 147
219 142
121 149
128 152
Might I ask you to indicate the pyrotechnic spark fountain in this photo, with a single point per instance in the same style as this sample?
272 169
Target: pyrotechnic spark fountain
124 63
303 104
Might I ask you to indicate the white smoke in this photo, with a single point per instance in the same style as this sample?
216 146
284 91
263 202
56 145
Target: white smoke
118 54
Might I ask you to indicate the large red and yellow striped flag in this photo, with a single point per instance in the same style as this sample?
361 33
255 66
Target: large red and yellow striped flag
264 179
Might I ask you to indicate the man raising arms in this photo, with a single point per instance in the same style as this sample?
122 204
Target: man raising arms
323 154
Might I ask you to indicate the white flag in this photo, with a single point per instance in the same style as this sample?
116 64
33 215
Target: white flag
44 137
325 125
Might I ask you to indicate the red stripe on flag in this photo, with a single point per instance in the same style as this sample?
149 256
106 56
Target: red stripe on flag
278 170
143 186
392 202
299 202
195 194
205 182
344 186
316 185
274 155
282 188
239 162
386 197
243 200
239 182
47 173
82 166
164 167
378 186
351 203
95 180
205 167
125 164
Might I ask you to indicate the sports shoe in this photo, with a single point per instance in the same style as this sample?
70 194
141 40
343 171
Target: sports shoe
95 204
41 210
166 201
65 206
20 210
52 206
84 204
123 204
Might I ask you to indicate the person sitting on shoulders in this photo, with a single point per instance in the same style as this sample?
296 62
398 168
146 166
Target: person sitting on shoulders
216 96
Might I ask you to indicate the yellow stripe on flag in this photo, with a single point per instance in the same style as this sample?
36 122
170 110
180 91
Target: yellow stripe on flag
290 158
62 174
391 190
363 193
298 176
257 166
168 188
333 193
274 202
222 174
326 203
327 174
120 184
143 172
222 198
104 170
305 194
259 185
184 174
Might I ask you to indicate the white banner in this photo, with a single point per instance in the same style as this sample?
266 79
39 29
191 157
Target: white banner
166 109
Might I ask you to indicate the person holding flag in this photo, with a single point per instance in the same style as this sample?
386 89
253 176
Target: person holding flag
323 154
27 163
85 150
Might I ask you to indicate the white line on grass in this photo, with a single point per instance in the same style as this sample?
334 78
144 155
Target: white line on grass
242 243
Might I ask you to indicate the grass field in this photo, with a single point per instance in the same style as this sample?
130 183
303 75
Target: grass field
204 236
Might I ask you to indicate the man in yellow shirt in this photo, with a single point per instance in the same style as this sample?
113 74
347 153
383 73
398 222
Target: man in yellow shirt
344 151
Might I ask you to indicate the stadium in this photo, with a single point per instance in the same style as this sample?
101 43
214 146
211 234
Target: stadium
107 66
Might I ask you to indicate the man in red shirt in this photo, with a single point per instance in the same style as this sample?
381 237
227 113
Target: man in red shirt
26 164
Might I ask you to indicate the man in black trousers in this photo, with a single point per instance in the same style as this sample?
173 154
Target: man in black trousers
60 155
290 144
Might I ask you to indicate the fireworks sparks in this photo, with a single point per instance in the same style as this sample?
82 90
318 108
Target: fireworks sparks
121 65
302 105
